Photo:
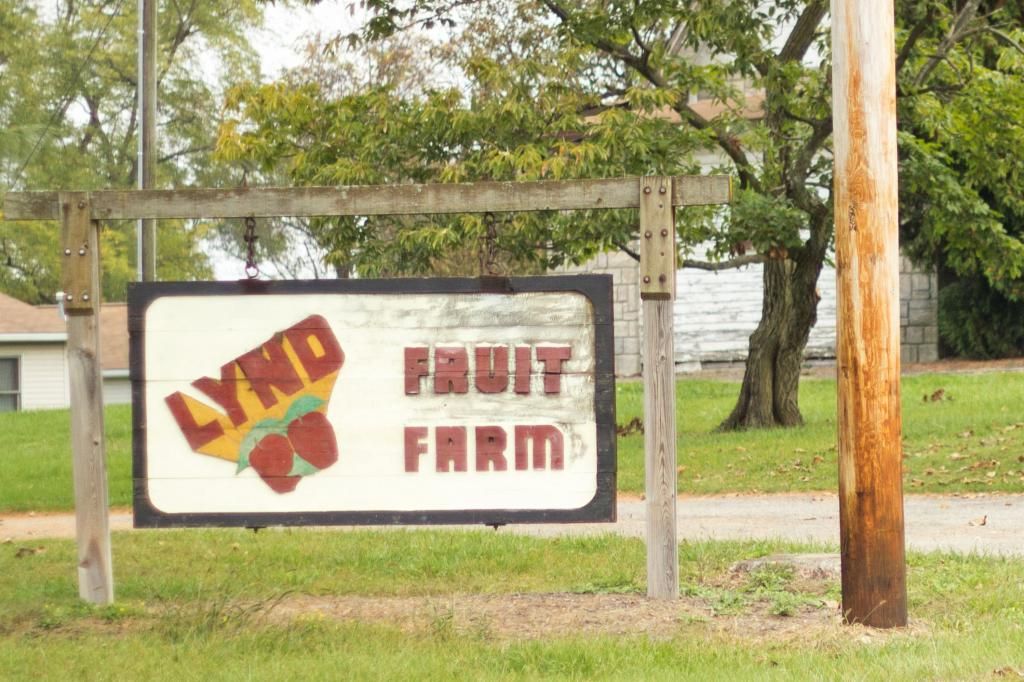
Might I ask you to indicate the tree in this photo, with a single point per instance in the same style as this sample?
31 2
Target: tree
962 184
630 71
512 115
68 120
962 192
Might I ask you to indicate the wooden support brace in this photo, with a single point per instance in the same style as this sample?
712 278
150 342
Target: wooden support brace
81 278
79 246
657 239
657 290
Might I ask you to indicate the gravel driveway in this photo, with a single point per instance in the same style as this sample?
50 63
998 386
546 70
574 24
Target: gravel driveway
987 524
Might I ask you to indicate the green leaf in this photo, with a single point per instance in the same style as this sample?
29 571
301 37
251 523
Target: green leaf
301 407
301 467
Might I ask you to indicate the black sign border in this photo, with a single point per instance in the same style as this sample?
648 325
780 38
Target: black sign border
596 288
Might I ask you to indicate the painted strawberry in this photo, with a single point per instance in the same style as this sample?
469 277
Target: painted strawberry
272 460
312 436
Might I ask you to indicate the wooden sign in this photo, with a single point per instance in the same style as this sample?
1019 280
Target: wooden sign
373 401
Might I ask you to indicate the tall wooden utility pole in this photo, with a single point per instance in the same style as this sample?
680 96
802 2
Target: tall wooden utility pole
147 140
868 341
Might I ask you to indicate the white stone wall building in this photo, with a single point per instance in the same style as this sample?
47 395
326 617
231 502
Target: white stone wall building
715 313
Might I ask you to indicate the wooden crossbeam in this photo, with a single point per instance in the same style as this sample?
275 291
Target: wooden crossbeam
481 197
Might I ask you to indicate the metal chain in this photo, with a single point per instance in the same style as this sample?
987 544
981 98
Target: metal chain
252 271
491 262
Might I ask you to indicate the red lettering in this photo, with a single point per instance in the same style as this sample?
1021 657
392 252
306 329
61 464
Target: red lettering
553 358
268 366
224 392
451 370
492 369
540 437
414 447
523 369
451 447
328 360
490 448
196 434
415 367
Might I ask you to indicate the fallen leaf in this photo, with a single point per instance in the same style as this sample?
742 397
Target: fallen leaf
966 434
818 459
980 521
956 455
1008 671
28 551
634 425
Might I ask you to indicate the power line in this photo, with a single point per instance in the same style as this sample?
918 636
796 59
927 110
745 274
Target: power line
68 95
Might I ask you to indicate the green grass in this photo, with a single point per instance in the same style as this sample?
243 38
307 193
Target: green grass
971 440
318 651
35 447
191 606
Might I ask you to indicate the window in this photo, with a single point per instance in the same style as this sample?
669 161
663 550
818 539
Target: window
10 386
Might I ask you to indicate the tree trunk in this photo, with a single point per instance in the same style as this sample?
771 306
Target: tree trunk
789 308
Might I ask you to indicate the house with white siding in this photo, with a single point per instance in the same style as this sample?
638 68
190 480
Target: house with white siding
33 356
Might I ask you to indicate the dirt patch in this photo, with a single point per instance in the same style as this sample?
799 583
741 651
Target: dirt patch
26 526
490 618
540 616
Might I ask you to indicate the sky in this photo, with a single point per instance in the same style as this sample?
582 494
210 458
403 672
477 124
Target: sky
280 43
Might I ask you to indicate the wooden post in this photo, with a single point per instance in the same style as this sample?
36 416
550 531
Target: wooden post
147 175
868 342
81 283
656 198
657 290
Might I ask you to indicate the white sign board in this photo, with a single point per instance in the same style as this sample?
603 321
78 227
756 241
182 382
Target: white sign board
377 401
